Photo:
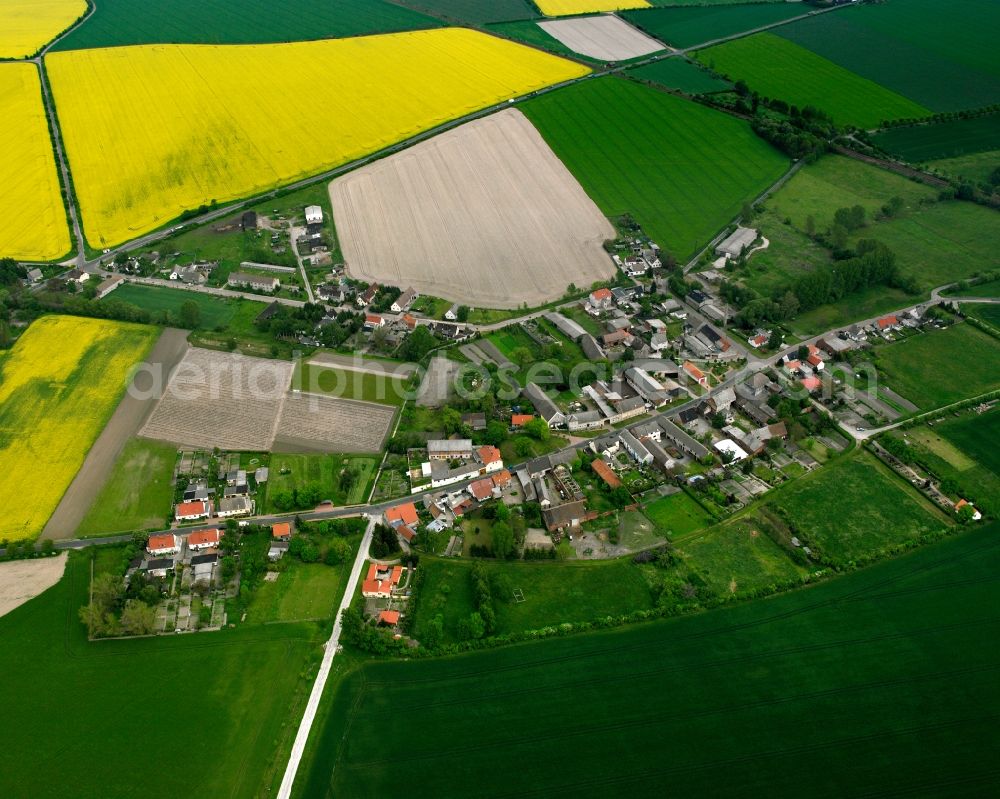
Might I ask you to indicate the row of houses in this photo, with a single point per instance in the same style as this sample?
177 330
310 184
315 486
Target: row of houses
224 508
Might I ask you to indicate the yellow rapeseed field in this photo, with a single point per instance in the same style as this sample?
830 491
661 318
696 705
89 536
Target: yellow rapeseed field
154 130
58 387
561 8
26 25
32 218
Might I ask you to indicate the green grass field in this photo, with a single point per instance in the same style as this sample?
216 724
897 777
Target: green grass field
686 27
302 592
677 515
123 22
682 170
215 311
990 288
976 435
941 367
680 74
945 62
922 143
877 682
777 67
553 592
985 313
977 167
290 472
737 557
874 509
247 688
475 11
139 493
935 242
350 384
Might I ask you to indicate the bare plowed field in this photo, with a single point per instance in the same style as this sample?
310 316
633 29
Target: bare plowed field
329 424
606 38
484 214
217 399
21 580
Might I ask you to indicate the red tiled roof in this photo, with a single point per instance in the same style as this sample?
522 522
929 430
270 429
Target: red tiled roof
887 321
601 294
520 419
815 360
405 514
602 470
198 508
406 532
760 340
165 541
693 370
482 489
202 537
389 617
500 479
811 383
793 365
384 585
489 454
281 530
409 321
373 319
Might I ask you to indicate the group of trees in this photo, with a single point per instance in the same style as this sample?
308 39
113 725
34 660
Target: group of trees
384 542
303 498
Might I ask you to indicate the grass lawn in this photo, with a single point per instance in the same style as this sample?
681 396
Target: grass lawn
215 311
302 592
290 472
682 170
553 592
476 532
977 167
350 384
509 448
686 27
944 62
677 515
139 493
777 67
251 687
881 511
859 672
942 366
681 74
636 532
123 22
737 557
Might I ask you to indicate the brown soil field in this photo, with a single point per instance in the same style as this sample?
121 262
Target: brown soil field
328 424
21 580
605 38
129 416
484 214
221 399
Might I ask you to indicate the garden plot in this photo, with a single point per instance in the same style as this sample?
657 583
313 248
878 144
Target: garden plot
329 424
224 400
606 38
484 214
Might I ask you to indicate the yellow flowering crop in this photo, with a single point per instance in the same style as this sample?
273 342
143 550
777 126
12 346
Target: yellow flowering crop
27 25
32 217
561 8
58 387
154 130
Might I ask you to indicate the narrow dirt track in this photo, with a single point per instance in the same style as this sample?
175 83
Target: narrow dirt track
128 417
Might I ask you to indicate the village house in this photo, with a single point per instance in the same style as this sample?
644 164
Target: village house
520 419
544 406
695 374
164 544
158 567
373 321
446 449
591 348
759 339
605 472
255 282
635 448
204 539
234 506
682 441
569 515
380 581
77 276
404 301
192 511
646 386
314 215
600 300
107 286
567 327
452 313
203 566
364 299
35 275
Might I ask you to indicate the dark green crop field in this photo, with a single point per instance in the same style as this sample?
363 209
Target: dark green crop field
123 22
475 11
676 73
944 61
777 67
976 435
881 682
942 139
682 170
686 27
106 719
527 31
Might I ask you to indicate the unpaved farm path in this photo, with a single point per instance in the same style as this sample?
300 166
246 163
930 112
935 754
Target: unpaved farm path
21 580
128 417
